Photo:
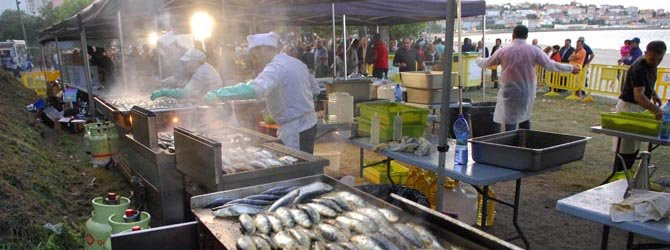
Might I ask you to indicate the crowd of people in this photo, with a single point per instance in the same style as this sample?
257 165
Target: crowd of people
410 55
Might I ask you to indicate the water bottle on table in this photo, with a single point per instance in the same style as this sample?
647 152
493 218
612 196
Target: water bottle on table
398 93
664 130
462 132
397 128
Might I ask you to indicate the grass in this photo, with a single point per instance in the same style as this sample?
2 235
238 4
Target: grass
45 177
555 114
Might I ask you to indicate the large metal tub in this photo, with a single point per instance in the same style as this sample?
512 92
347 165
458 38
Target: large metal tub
163 184
145 124
360 89
199 159
528 150
227 230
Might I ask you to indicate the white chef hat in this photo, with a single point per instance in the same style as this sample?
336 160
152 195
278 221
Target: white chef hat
269 39
193 55
167 39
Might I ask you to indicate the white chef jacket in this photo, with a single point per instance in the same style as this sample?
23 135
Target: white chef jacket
204 78
518 82
288 87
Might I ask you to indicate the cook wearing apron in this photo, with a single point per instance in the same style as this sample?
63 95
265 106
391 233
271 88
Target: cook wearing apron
287 87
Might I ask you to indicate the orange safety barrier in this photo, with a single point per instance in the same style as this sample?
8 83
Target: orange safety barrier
565 81
605 80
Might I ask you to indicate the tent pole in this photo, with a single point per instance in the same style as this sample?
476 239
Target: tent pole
158 54
484 55
44 62
344 38
461 63
334 43
443 146
60 62
87 68
123 51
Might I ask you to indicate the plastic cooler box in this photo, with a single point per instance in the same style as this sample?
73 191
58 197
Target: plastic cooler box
377 174
386 131
388 111
639 123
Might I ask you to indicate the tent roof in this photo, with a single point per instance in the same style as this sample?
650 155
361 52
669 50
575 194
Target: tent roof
99 18
362 13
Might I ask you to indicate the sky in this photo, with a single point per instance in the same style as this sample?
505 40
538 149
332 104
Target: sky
11 4
643 4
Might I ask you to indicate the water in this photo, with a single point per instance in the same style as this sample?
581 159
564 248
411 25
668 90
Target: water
605 43
664 130
462 131
596 39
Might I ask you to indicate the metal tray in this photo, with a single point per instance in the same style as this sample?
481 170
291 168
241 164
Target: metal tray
528 150
176 236
199 159
360 88
449 230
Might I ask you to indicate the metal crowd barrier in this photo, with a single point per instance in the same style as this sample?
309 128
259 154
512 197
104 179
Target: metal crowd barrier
597 79
35 80
605 80
565 81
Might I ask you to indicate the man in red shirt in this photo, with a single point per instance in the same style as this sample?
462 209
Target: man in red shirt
380 58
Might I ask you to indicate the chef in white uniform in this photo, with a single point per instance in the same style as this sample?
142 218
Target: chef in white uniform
203 77
287 87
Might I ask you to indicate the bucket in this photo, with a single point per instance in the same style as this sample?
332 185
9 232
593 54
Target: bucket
333 158
481 116
118 225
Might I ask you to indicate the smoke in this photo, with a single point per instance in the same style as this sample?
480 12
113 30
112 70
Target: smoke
226 49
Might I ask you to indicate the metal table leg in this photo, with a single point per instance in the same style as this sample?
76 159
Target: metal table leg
618 149
388 170
630 240
515 215
360 160
605 237
485 199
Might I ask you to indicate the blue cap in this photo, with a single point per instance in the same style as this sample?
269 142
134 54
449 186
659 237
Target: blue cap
635 40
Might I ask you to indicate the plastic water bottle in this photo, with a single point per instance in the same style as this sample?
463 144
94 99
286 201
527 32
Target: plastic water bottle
398 93
397 127
664 130
462 131
374 130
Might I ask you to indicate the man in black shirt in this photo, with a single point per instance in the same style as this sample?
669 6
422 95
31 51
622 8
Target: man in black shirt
638 95
406 58
566 51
